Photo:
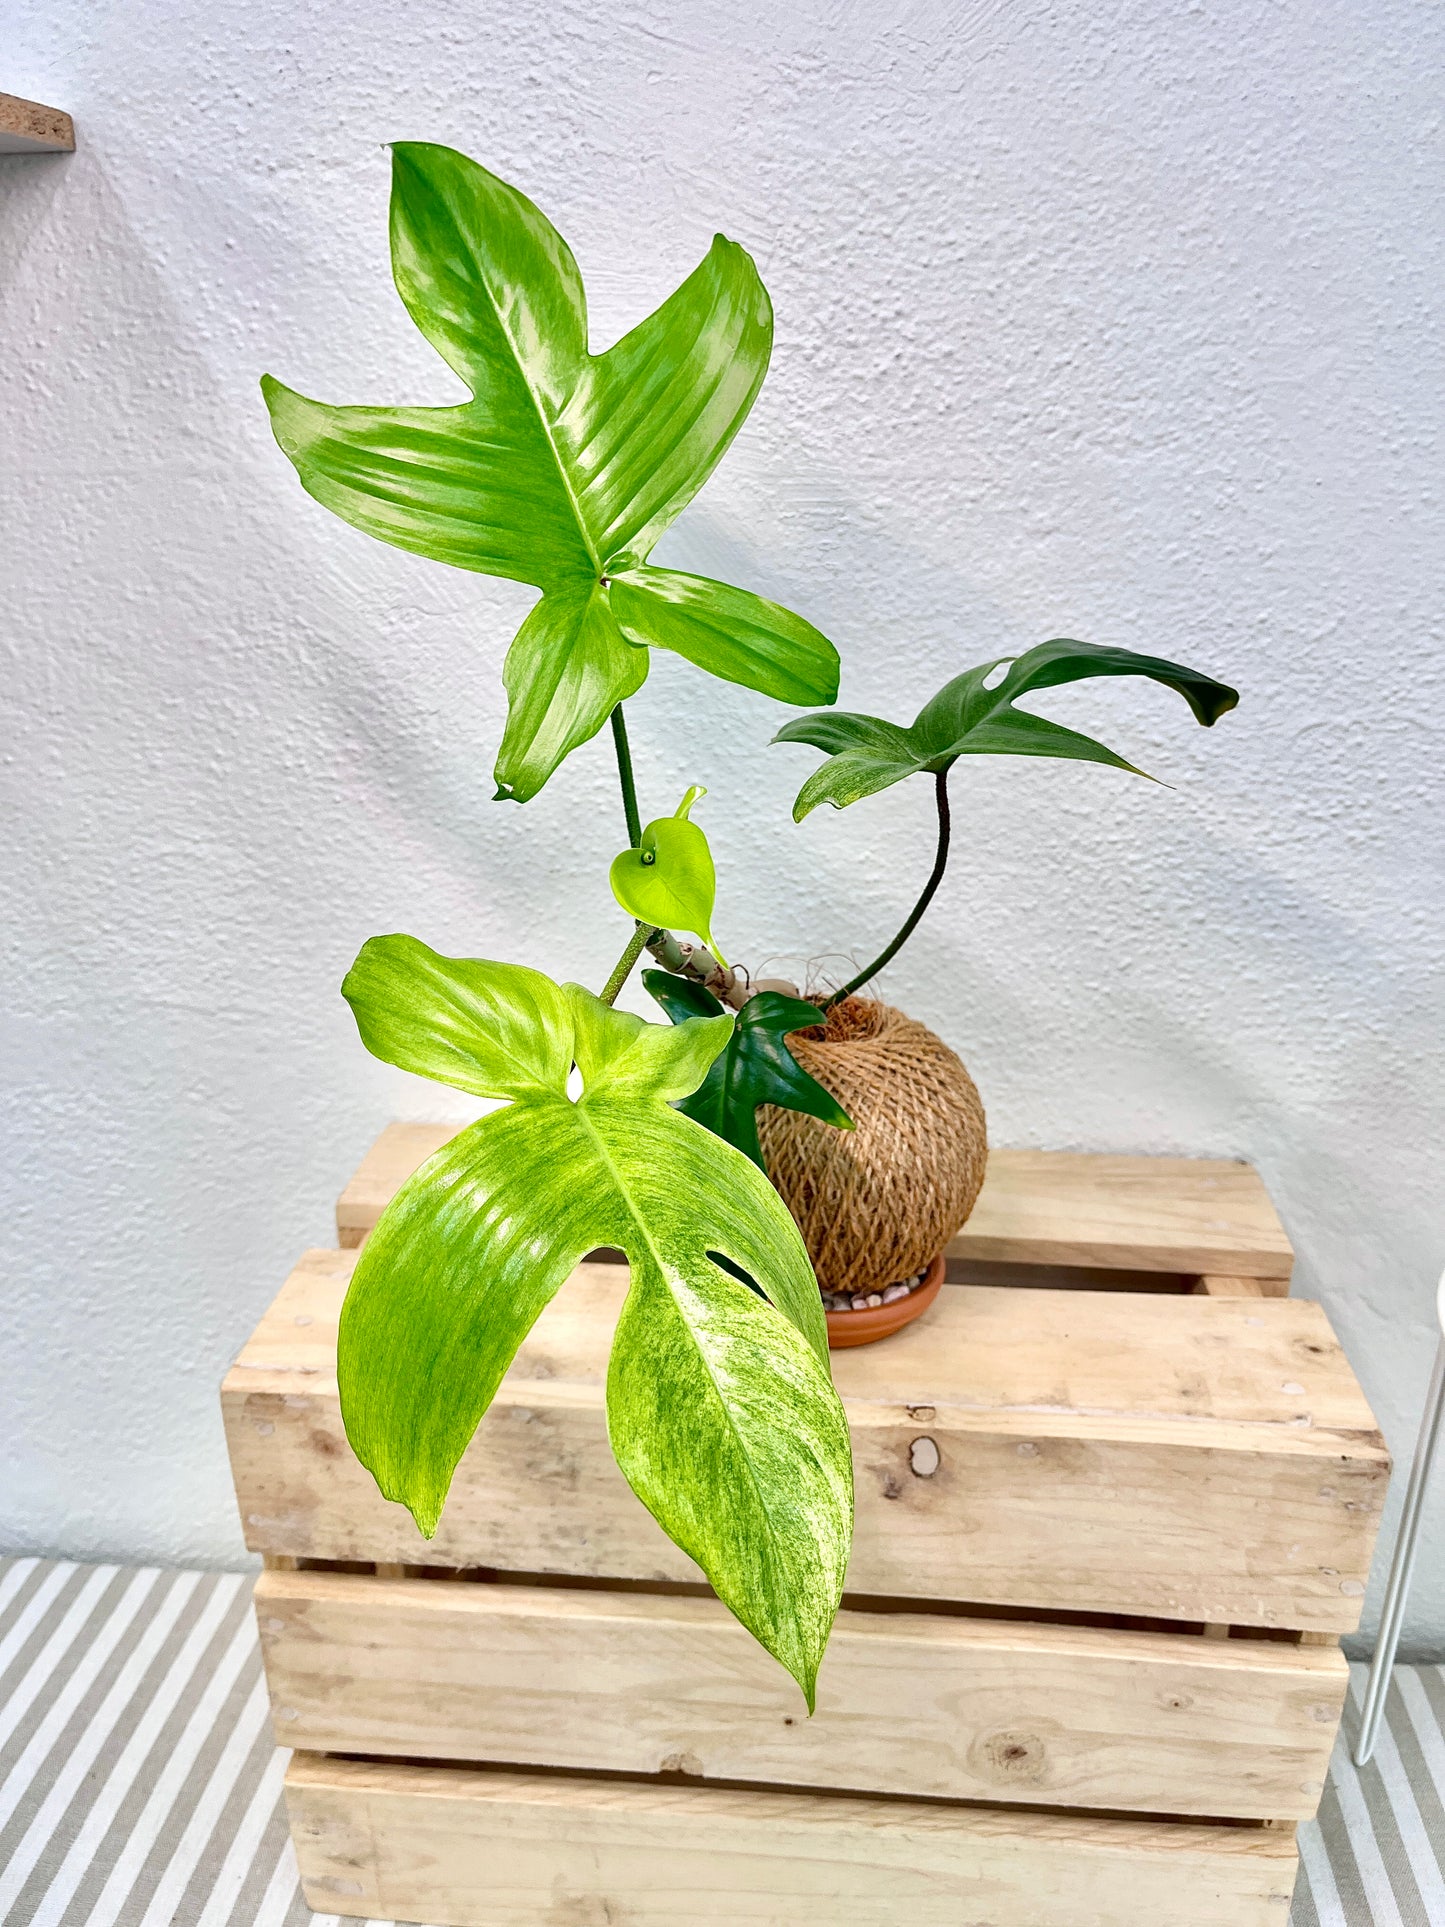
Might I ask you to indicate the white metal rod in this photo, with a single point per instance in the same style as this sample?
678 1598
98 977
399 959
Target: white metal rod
1402 1568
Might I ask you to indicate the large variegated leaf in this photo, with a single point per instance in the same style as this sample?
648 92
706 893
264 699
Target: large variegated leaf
720 1407
565 467
969 718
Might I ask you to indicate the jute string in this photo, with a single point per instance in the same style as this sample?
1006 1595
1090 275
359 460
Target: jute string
876 1203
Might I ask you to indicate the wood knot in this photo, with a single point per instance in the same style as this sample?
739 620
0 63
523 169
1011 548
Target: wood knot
1012 1757
924 1458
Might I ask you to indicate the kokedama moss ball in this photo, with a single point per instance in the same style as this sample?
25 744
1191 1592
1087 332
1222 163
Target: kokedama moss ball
876 1203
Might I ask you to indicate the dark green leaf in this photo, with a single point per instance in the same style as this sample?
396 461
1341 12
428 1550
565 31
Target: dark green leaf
565 467
684 997
969 718
755 1067
720 1407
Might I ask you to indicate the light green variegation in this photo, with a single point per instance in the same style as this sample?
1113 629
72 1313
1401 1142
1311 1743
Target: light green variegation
720 1408
565 467
968 717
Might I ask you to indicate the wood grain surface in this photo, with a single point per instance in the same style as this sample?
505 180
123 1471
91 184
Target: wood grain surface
468 1848
909 1703
1185 1458
1176 1215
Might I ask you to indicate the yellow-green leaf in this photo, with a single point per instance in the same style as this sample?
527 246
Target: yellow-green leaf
720 1407
669 880
565 467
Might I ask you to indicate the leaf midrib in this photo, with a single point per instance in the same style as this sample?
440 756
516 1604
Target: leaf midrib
546 427
952 751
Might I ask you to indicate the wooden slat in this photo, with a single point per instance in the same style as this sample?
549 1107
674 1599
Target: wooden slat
1174 1457
28 128
1179 1215
467 1848
1219 1285
1144 1214
908 1703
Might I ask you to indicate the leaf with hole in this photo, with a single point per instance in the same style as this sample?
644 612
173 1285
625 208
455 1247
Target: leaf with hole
720 1408
969 718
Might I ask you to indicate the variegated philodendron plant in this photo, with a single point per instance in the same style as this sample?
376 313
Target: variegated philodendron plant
562 471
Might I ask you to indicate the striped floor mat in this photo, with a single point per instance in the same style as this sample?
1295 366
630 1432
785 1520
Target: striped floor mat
139 1786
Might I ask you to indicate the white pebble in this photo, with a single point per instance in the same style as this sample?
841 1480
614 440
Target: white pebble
894 1293
860 1302
874 1299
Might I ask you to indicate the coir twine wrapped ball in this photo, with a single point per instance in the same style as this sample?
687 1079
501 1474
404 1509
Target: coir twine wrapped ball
876 1203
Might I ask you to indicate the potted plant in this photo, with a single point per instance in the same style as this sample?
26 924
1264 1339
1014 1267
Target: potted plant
562 471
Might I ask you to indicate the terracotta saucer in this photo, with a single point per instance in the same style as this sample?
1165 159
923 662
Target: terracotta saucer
881 1321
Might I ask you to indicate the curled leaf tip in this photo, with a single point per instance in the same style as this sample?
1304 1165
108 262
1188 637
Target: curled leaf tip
696 791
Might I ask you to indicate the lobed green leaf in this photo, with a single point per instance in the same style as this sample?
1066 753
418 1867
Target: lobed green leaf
565 467
567 669
756 1066
972 717
495 1029
730 633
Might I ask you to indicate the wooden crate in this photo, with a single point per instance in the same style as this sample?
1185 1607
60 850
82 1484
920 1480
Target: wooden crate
1087 1670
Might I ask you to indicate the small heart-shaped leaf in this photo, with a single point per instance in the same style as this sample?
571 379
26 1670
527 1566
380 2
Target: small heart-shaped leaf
669 880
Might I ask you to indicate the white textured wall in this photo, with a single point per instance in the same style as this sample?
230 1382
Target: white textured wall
1120 323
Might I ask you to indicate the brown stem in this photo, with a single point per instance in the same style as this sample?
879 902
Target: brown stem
701 966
